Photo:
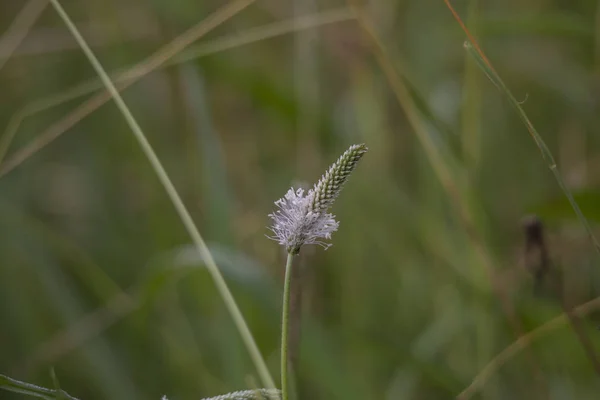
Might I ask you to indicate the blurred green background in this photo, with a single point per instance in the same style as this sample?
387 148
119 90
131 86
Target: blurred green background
424 282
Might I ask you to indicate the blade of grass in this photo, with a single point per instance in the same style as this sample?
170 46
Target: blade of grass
165 271
264 32
548 157
474 50
306 90
471 110
521 344
60 394
38 106
19 28
597 39
215 190
81 264
177 202
15 386
443 165
470 142
78 332
479 57
102 361
437 159
126 75
440 160
131 76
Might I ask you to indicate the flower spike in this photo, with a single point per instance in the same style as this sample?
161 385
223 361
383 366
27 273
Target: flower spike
303 219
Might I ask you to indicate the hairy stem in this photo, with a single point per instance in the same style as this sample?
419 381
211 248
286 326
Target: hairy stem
285 327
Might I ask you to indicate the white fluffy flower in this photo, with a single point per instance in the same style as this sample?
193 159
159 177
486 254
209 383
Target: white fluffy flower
304 219
294 224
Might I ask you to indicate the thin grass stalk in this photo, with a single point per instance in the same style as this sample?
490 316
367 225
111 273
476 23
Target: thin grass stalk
434 156
477 53
471 111
15 386
123 76
597 40
76 334
306 80
186 218
441 167
285 327
475 50
19 28
470 135
578 327
537 259
539 141
522 343
73 336
131 76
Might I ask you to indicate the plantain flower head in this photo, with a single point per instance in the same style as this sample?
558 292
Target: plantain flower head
303 218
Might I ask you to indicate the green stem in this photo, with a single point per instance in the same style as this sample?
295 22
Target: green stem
285 327
182 211
15 386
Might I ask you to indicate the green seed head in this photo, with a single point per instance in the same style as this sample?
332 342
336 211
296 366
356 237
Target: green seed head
329 186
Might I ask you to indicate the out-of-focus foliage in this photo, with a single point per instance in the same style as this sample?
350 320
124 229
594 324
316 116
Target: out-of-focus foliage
97 278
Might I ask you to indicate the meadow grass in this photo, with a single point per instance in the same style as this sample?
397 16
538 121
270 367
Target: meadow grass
423 294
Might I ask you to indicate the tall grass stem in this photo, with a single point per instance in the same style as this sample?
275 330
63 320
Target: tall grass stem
186 218
486 66
19 28
129 77
285 327
493 76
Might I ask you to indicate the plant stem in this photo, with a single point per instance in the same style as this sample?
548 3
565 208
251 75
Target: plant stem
15 386
182 211
285 326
